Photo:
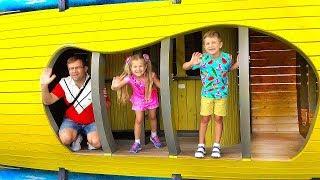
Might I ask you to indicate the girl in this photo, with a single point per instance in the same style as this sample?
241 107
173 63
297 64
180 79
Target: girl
138 74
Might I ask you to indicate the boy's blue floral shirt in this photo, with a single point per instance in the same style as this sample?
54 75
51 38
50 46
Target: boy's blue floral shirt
213 73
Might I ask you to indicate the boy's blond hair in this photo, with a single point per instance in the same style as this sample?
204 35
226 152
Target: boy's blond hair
211 34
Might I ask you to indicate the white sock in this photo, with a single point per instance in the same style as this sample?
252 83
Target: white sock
216 144
137 141
200 145
153 134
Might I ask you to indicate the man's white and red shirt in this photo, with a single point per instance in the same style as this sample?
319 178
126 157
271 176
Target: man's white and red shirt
82 111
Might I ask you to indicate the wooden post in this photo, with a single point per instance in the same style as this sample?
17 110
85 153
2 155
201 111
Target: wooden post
244 91
99 105
312 91
169 128
302 96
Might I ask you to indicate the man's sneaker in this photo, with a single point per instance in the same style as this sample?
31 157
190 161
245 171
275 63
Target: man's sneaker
76 145
216 153
135 148
156 142
90 147
201 152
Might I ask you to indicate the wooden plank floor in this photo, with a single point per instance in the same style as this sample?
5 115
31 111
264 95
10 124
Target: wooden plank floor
188 146
265 146
276 146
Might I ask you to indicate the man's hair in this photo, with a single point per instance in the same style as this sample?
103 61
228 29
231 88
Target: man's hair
211 34
76 58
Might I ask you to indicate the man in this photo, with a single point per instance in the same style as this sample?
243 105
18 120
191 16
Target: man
79 116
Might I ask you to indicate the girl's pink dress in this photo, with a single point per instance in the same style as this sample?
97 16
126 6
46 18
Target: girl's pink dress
139 103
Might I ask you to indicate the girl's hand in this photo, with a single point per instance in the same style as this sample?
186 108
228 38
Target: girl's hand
155 79
116 81
46 76
195 59
153 75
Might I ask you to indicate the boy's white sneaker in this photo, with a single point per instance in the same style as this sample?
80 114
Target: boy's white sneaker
201 152
216 153
76 145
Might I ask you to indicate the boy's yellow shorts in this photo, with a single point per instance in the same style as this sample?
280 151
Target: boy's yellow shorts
210 106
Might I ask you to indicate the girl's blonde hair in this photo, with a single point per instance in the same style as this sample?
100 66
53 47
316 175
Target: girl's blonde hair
122 93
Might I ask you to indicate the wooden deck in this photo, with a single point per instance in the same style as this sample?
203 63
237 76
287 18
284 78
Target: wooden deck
276 146
265 146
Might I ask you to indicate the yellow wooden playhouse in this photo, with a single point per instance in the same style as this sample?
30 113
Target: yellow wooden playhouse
272 130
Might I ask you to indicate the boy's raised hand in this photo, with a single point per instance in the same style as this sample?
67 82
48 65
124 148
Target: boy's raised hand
236 64
195 59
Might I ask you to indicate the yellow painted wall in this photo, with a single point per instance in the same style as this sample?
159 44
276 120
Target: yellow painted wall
29 40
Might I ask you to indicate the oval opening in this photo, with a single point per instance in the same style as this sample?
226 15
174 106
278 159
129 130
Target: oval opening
283 96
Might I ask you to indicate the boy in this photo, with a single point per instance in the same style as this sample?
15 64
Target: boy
214 66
